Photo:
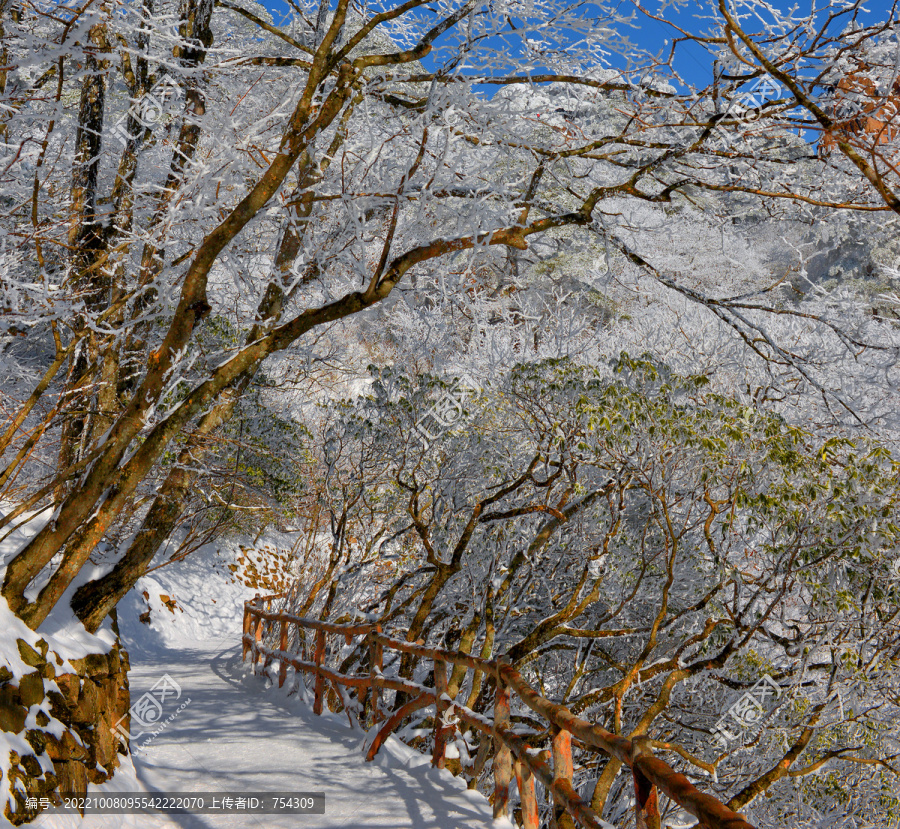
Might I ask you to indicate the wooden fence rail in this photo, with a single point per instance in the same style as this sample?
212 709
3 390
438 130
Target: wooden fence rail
513 757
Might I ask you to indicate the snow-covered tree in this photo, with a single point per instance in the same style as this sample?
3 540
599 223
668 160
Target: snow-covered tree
173 170
645 551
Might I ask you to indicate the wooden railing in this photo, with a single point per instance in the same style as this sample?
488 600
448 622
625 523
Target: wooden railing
513 757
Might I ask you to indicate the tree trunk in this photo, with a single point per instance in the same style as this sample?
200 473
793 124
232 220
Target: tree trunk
86 242
94 600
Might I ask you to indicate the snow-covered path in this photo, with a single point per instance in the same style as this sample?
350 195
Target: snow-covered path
237 736
234 736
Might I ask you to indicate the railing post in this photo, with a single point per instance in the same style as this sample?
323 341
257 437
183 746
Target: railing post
646 800
282 646
503 770
376 663
258 637
525 782
562 770
320 680
485 744
244 646
440 728
267 628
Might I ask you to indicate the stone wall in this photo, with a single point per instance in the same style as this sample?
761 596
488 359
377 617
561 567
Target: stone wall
84 706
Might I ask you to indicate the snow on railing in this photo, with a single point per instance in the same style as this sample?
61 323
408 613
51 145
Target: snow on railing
513 756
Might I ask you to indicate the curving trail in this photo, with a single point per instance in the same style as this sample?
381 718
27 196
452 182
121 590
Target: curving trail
235 735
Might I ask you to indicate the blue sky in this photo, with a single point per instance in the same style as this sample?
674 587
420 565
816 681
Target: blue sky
693 62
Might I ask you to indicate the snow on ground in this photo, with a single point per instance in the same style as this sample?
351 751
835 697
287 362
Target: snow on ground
232 734
235 736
